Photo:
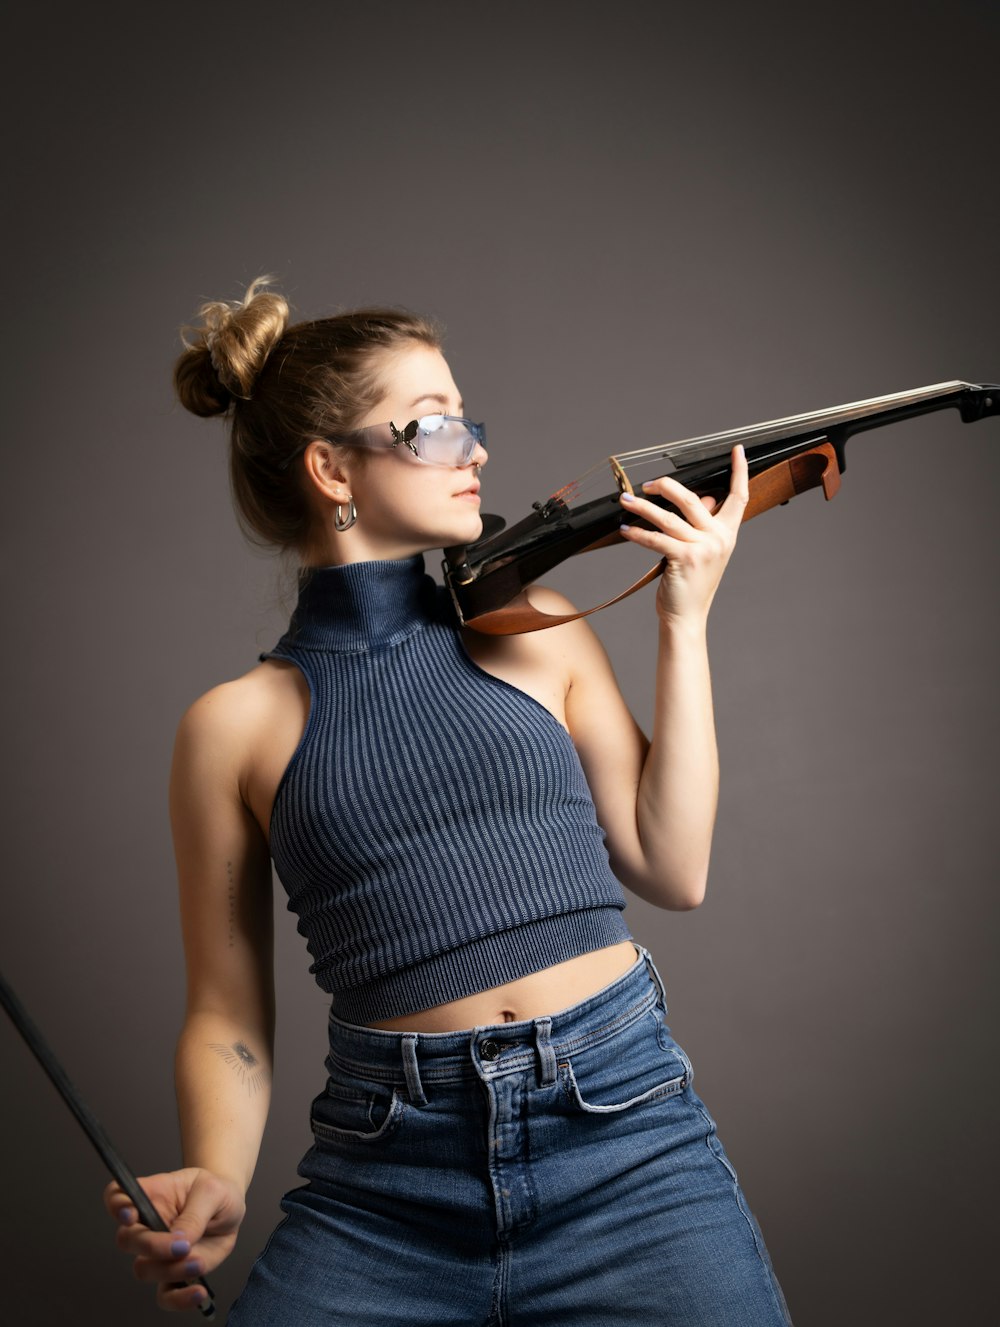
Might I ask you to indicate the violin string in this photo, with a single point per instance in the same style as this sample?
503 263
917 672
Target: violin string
711 444
571 491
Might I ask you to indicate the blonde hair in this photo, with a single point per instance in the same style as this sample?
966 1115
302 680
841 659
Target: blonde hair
281 386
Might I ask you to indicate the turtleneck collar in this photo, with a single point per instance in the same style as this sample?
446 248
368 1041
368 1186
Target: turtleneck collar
362 605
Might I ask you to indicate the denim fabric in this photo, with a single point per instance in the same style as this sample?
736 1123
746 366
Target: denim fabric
558 1171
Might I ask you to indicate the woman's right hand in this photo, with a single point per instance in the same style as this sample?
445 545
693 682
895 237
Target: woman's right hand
203 1213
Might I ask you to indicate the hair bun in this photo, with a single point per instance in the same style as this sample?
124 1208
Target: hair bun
229 349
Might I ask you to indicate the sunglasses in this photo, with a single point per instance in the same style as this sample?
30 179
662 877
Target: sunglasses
434 439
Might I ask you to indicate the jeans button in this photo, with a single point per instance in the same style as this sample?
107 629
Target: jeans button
489 1050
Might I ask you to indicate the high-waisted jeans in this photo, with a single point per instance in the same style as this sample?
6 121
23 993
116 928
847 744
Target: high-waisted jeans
559 1171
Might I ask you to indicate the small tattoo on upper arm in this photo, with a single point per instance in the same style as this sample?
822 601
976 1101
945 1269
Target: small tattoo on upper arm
232 904
248 1068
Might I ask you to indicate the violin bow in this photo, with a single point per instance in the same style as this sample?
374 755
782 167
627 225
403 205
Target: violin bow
488 580
90 1124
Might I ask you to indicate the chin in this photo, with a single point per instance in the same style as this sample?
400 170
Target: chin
465 531
451 529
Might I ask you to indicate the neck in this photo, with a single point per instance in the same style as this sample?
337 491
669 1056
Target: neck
356 545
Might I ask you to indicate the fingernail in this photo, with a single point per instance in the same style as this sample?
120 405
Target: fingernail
623 526
198 1298
126 1216
180 1247
741 449
192 1268
628 497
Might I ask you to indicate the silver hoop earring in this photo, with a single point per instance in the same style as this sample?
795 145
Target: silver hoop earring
341 522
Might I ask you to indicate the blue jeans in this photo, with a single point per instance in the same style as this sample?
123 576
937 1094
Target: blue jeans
558 1171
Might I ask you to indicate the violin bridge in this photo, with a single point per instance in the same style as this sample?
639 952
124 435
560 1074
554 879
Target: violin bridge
621 478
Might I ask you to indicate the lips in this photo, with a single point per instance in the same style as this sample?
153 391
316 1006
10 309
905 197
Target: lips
472 491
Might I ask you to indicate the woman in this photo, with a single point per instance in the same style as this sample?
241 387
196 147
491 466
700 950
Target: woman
508 1133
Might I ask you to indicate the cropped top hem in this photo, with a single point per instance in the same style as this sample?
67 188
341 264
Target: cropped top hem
479 965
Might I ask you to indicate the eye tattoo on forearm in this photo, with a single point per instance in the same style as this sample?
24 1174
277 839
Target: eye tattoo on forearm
248 1068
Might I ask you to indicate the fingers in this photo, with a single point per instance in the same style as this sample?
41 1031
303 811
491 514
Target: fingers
178 1299
671 530
163 1245
739 489
212 1207
116 1200
694 512
663 545
203 1213
167 1259
696 539
170 1271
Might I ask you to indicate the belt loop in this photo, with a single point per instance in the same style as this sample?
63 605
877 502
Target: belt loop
546 1055
654 974
414 1087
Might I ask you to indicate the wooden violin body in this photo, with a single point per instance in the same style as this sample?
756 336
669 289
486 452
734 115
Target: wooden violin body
785 457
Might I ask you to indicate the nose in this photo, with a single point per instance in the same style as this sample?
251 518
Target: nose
479 457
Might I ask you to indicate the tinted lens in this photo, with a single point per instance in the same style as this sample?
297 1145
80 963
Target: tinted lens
444 440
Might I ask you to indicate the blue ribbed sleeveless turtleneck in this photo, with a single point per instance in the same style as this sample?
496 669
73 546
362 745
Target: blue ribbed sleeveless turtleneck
434 829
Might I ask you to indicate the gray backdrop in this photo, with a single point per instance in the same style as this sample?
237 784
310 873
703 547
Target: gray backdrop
638 222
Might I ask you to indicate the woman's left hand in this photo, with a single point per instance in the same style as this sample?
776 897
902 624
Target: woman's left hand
697 543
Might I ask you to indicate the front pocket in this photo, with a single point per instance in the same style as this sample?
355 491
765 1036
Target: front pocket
644 1076
355 1114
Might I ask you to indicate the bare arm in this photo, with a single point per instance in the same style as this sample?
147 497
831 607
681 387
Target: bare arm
224 1052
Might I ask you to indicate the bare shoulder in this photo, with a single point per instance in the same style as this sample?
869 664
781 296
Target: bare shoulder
556 666
572 646
229 719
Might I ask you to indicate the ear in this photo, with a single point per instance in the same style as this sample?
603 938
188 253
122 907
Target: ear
327 472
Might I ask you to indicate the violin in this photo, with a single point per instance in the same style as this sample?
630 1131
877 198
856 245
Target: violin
488 580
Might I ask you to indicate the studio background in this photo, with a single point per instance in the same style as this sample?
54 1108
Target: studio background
638 222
